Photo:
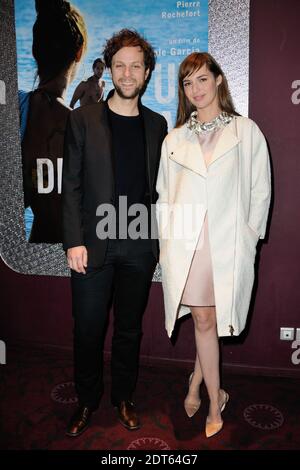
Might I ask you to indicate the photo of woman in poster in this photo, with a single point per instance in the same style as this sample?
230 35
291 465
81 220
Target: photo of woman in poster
59 41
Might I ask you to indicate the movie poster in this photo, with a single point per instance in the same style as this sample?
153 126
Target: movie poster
174 28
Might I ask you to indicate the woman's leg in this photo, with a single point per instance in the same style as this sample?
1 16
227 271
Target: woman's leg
207 345
192 401
196 380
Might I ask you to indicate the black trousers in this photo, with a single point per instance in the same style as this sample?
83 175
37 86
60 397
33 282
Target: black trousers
125 278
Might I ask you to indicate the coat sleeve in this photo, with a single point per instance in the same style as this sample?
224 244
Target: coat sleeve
260 184
72 183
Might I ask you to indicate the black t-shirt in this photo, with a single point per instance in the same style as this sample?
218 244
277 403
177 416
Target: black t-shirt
129 158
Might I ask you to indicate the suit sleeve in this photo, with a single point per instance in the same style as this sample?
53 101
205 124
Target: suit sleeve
162 188
162 177
165 129
260 184
72 182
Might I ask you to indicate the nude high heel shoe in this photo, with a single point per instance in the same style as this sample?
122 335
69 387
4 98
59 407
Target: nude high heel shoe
191 406
213 428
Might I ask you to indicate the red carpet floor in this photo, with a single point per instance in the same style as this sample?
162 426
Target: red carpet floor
37 398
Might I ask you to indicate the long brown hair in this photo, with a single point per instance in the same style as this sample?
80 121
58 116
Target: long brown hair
192 63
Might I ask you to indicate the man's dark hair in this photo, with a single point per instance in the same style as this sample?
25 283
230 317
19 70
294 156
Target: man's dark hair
100 61
129 38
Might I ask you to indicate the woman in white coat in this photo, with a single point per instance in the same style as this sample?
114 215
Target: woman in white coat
214 194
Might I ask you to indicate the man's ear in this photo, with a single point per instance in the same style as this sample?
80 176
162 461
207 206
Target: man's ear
147 74
78 54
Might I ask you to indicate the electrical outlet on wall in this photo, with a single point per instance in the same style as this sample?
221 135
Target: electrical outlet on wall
287 333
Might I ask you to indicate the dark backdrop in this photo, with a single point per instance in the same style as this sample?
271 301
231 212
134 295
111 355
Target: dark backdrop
37 310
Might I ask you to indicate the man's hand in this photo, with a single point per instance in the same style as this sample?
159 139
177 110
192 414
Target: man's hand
77 258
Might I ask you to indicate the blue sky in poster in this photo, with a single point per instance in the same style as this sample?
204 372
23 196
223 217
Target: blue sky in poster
175 28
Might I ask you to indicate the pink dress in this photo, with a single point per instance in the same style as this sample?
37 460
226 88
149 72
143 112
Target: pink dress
199 287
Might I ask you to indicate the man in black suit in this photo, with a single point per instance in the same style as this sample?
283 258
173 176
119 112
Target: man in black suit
112 151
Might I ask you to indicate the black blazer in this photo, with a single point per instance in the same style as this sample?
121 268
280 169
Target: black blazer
88 173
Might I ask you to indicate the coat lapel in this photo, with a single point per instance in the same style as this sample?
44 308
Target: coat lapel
106 126
228 139
189 153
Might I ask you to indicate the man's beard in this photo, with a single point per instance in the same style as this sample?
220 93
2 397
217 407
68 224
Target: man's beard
130 96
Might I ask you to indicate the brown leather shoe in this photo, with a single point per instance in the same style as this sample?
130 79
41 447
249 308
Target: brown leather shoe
79 421
127 415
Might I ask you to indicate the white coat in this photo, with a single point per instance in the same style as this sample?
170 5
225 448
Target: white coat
234 190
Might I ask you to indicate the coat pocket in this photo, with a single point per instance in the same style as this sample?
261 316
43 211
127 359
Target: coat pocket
253 233
250 238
